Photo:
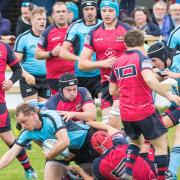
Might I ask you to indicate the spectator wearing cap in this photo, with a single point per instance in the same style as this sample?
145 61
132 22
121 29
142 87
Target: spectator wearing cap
5 26
23 23
73 12
141 16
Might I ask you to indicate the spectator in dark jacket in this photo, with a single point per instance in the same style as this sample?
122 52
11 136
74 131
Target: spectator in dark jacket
5 26
23 23
141 16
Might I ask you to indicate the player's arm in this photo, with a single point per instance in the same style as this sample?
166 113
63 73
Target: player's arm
28 77
113 89
155 85
61 144
10 155
66 54
102 126
88 114
86 64
78 170
42 54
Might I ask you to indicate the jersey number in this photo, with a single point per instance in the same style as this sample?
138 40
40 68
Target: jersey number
126 71
119 170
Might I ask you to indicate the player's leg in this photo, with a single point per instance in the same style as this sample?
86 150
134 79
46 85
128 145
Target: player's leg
170 119
157 136
44 92
133 149
53 85
114 115
53 171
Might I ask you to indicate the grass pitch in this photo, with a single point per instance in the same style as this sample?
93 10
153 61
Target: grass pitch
15 172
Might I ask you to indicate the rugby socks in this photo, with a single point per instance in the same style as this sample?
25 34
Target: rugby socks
23 159
161 162
174 163
132 153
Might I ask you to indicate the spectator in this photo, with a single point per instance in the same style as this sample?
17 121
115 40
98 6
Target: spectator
23 22
174 11
42 3
162 19
5 26
127 5
159 12
4 6
141 16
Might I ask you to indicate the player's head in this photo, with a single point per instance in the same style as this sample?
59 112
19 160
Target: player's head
161 55
101 142
68 86
131 42
110 3
89 10
73 12
27 116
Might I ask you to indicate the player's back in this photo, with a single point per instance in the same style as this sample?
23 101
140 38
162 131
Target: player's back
136 102
111 165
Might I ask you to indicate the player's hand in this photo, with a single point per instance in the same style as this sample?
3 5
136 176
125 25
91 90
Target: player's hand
170 74
6 85
30 79
108 63
75 169
174 98
56 51
67 115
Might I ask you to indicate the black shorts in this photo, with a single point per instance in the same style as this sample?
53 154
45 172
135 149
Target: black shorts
5 123
53 85
106 99
84 154
174 115
151 127
93 84
41 87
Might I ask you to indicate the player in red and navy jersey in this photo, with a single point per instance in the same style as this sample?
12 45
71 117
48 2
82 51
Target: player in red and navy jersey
7 57
49 47
107 41
133 80
110 146
72 102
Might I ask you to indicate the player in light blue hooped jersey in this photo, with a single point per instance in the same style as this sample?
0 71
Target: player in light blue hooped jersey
167 60
33 84
45 125
75 36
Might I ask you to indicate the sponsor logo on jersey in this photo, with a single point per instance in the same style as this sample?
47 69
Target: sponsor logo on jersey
109 52
119 38
55 38
99 39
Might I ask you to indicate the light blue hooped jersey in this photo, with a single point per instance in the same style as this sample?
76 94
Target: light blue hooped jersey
76 34
26 44
175 67
51 124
